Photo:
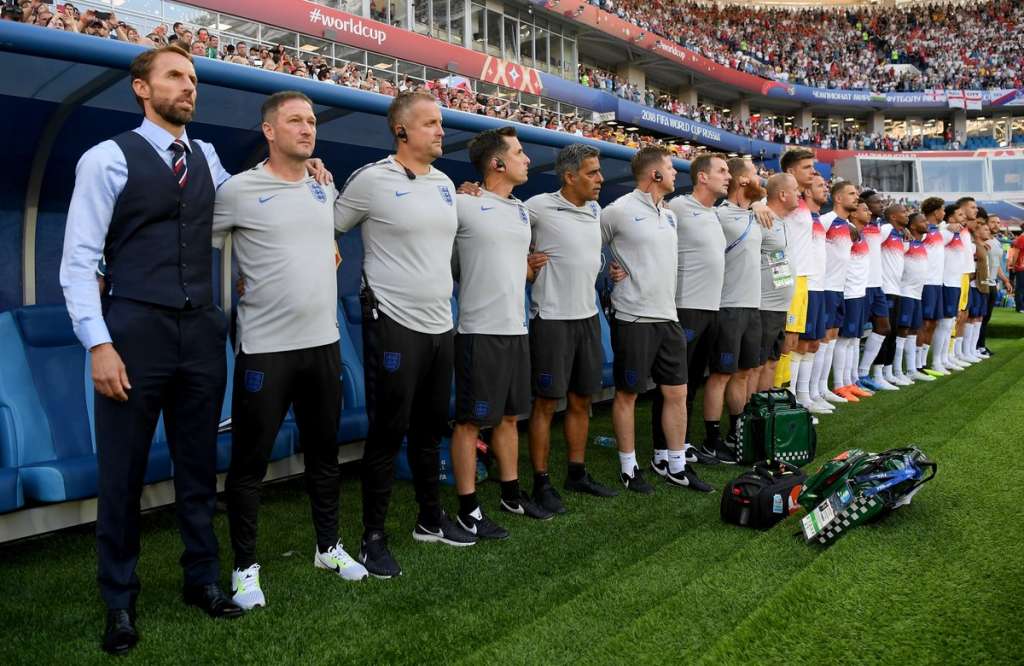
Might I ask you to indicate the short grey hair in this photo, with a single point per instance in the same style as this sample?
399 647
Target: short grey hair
571 158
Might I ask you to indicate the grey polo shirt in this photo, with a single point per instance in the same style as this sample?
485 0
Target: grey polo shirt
283 238
642 238
775 249
409 227
570 236
701 248
742 285
491 247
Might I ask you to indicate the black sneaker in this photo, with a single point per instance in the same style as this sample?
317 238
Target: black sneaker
481 526
524 506
688 479
636 482
547 497
589 486
660 467
375 556
726 453
446 532
695 456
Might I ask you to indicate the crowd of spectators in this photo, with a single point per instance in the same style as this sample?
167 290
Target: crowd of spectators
453 93
968 46
773 129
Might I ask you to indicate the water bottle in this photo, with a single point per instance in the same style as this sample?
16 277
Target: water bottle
605 442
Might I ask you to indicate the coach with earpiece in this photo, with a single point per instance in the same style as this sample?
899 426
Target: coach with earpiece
407 211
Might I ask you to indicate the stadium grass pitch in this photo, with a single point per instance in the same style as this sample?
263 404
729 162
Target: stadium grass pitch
631 579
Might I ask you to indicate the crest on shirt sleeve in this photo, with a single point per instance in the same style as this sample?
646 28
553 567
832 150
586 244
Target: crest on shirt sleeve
446 194
318 192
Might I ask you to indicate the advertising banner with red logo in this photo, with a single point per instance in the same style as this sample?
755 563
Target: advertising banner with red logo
337 26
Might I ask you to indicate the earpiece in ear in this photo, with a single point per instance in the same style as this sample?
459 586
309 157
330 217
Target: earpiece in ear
658 177
400 134
499 164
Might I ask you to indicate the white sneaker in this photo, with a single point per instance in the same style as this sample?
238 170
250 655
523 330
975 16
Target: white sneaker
824 404
919 376
815 407
966 360
952 364
941 369
340 562
902 380
245 588
832 397
884 384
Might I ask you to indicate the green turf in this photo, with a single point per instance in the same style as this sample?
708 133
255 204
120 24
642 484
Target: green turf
632 579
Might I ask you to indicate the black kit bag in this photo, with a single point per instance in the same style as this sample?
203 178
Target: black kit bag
763 496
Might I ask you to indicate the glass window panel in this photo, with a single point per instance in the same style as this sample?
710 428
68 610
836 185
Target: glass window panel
493 32
1018 130
476 25
555 52
569 58
527 33
349 54
247 29
148 7
511 39
457 9
410 69
441 18
192 15
379 10
275 36
311 45
541 48
1008 175
952 175
888 175
422 15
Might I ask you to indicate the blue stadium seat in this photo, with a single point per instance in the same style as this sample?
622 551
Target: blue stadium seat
46 392
354 424
11 495
607 378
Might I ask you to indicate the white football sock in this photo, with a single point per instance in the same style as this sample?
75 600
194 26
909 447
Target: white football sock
839 361
922 355
676 461
871 348
897 363
958 347
830 356
627 462
853 362
660 455
806 368
795 358
817 368
910 354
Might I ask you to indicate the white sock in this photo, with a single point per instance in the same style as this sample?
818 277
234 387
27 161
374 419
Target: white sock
922 355
888 374
627 462
958 347
806 369
871 348
975 335
878 372
897 363
853 361
795 358
661 455
839 360
910 354
830 355
676 461
941 353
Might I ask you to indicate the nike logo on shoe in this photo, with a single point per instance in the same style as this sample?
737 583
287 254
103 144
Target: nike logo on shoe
518 508
438 533
264 200
471 530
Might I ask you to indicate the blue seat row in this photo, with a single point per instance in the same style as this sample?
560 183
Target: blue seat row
47 437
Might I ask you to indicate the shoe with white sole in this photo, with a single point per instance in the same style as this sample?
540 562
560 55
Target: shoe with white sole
245 588
919 376
902 380
446 532
829 396
340 562
815 408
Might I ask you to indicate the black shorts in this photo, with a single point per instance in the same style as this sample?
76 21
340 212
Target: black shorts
654 349
699 327
492 377
773 333
736 344
566 355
